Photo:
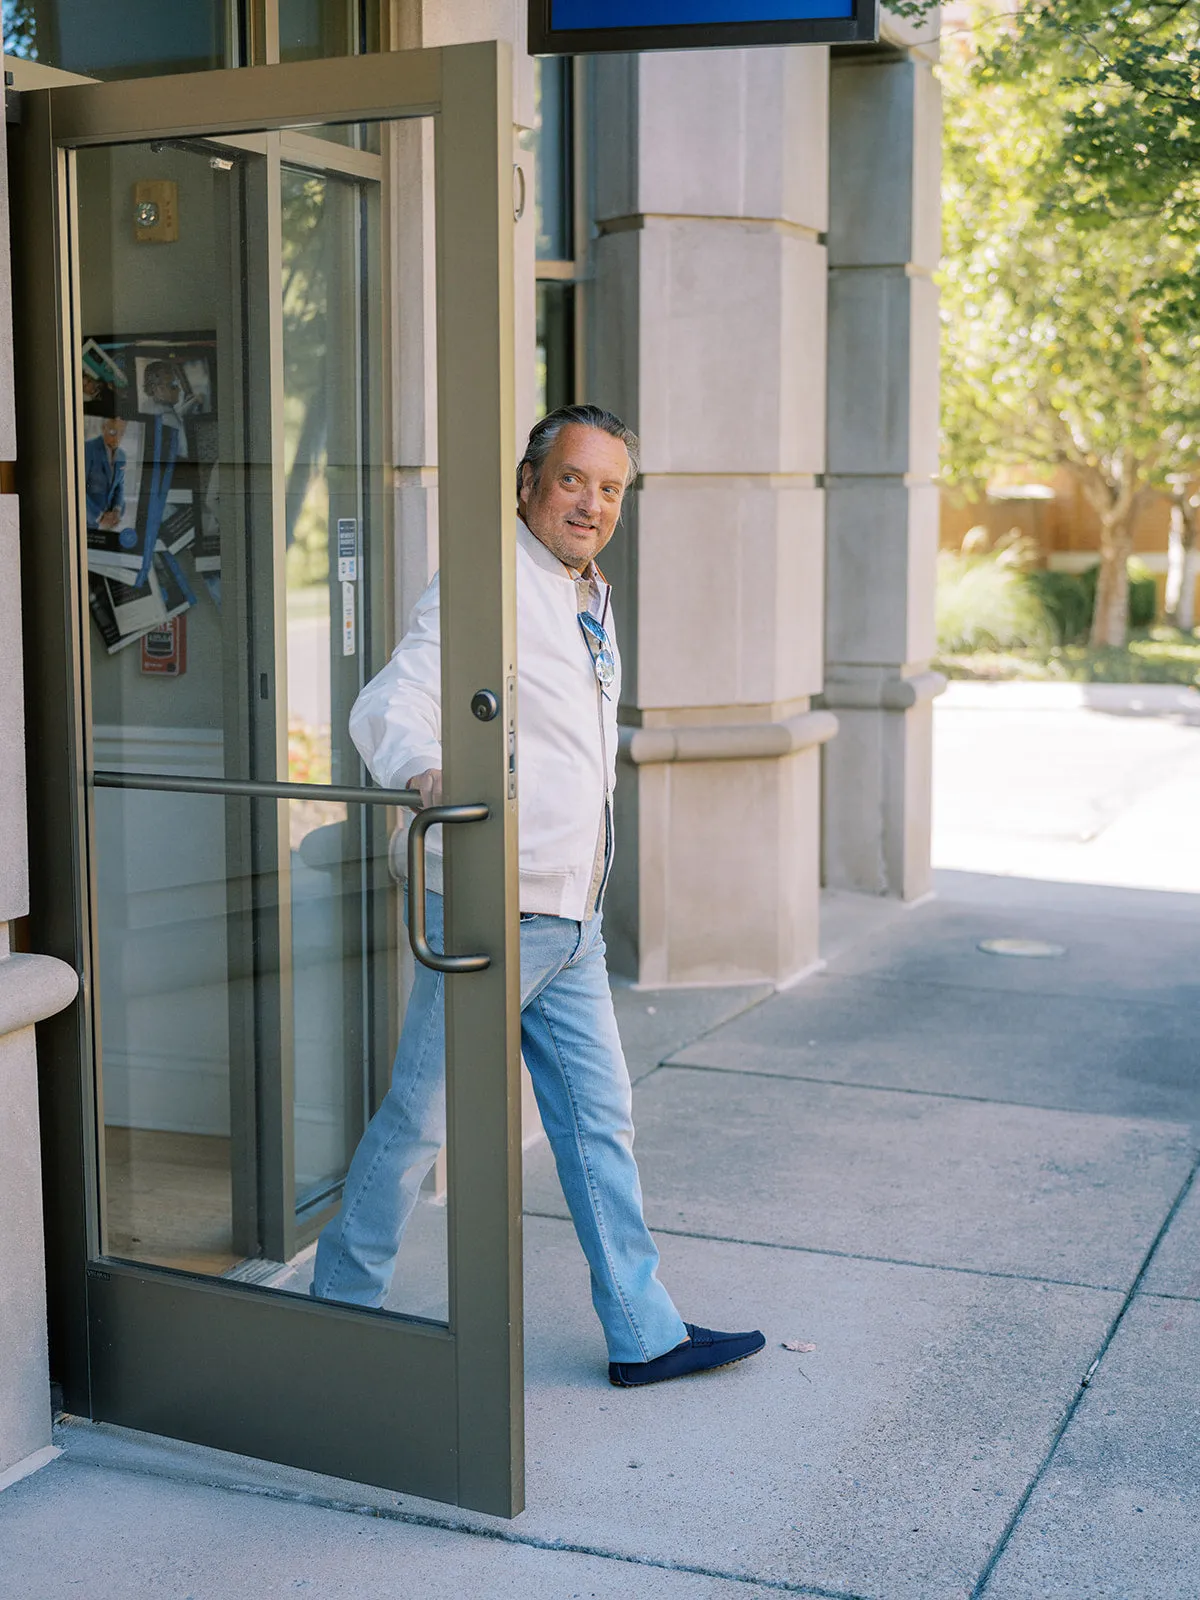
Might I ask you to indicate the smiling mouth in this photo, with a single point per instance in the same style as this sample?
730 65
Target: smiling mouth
581 527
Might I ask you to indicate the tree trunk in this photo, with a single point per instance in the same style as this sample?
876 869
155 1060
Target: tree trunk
1110 619
1181 565
1185 617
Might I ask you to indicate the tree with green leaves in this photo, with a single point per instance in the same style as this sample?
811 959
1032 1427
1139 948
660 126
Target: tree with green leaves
1130 140
1065 342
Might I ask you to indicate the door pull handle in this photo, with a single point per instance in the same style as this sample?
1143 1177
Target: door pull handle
421 948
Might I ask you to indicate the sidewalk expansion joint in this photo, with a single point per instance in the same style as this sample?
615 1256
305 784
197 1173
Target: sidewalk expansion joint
699 1038
448 1524
966 986
855 1255
1085 1382
895 1088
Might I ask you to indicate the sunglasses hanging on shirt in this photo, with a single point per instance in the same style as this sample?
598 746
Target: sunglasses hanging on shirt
601 651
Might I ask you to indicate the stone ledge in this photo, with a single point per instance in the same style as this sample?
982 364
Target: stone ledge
893 694
641 221
33 988
746 741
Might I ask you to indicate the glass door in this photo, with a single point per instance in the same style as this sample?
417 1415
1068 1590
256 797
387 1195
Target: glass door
222 311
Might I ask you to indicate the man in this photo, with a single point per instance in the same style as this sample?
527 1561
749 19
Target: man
104 475
570 484
165 384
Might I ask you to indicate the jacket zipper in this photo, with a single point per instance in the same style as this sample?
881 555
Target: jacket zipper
608 830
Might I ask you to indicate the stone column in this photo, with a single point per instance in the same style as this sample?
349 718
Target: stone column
881 549
707 334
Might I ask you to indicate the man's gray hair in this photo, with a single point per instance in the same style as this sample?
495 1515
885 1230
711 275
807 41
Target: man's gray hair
545 432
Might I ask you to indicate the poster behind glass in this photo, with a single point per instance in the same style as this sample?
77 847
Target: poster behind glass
151 486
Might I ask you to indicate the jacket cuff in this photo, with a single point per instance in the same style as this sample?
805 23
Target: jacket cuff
416 761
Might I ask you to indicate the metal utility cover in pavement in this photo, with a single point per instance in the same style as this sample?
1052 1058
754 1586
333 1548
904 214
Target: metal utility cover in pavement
580 27
1032 949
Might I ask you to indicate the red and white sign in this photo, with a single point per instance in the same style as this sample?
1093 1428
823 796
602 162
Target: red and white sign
164 649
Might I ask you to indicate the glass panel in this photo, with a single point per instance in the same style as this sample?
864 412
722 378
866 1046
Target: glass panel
252 963
168 366
321 369
179 462
555 345
120 38
330 1105
554 157
167 962
312 29
194 972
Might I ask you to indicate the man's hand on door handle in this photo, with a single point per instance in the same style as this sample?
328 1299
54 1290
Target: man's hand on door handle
428 784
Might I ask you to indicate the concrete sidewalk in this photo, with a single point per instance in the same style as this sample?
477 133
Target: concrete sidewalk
963 1178
1072 782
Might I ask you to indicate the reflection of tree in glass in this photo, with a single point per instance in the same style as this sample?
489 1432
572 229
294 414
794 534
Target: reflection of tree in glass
310 761
305 335
20 29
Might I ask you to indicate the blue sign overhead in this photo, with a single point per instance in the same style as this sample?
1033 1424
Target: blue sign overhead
678 13
571 27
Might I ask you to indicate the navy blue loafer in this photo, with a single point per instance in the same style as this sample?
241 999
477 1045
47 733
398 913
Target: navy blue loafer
702 1351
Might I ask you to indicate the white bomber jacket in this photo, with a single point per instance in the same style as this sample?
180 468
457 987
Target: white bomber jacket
566 730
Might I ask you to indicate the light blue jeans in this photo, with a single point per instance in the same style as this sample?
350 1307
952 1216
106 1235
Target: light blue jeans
571 1046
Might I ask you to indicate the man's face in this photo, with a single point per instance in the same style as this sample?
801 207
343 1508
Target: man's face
112 430
164 387
574 507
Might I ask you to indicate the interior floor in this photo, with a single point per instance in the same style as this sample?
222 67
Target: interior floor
170 1199
170 1205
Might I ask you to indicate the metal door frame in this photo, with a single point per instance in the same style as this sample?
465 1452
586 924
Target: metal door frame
431 1410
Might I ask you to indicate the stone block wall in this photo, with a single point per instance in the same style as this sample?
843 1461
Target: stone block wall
881 546
708 334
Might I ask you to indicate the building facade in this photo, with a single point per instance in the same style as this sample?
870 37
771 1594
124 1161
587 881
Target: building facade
732 249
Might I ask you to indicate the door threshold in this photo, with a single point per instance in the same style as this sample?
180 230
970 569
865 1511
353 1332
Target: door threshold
268 1274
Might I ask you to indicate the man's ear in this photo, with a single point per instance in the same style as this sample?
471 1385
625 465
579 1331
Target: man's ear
526 483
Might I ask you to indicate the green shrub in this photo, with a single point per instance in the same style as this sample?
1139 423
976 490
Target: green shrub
1067 599
984 604
998 606
1143 596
